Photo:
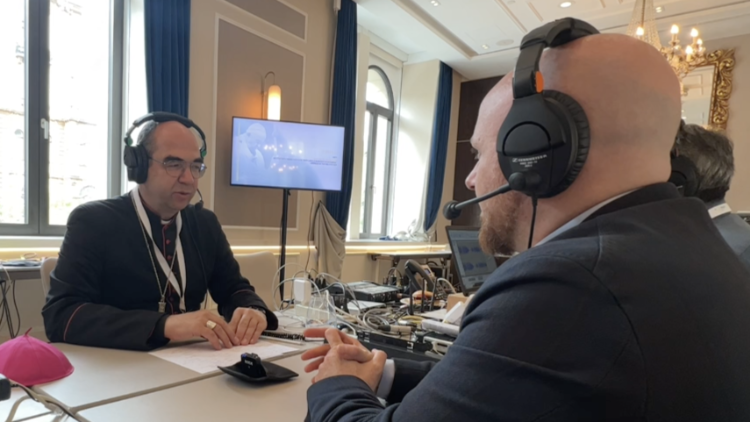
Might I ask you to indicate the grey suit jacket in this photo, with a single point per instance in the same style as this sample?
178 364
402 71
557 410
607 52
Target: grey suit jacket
736 232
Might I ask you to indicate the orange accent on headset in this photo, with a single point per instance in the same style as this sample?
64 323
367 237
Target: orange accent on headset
539 82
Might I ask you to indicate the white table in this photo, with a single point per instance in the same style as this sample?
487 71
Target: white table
50 417
27 409
217 398
104 375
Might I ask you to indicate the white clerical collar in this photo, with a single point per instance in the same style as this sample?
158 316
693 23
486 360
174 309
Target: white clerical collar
719 210
151 212
580 219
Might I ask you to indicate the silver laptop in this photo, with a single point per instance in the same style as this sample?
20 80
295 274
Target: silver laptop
473 266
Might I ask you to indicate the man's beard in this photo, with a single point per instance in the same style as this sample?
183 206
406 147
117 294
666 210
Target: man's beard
500 224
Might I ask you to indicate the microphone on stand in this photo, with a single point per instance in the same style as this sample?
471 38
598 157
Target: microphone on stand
452 209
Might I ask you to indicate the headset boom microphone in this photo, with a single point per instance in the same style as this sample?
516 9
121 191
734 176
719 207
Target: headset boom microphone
452 209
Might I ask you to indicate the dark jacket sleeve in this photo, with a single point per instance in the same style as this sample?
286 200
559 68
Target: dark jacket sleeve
409 373
229 289
534 346
72 313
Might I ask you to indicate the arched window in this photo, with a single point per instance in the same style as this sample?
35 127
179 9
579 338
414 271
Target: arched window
376 169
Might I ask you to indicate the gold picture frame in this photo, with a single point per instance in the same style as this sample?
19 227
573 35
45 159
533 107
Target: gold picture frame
723 62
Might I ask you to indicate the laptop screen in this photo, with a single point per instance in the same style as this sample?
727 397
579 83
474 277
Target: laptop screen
473 266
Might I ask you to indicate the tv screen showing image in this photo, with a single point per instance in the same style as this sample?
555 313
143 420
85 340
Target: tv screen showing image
286 155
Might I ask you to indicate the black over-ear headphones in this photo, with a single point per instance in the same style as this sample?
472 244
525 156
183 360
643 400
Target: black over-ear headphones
684 172
136 157
544 141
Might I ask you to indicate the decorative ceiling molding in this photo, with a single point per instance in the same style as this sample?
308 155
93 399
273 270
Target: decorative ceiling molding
535 12
692 17
426 34
436 27
388 47
512 16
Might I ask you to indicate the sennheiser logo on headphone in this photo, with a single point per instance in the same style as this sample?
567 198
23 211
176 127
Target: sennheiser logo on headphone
528 162
529 159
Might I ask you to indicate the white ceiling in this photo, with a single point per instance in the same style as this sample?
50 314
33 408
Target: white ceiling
480 38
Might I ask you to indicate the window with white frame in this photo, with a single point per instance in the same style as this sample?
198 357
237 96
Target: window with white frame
377 157
60 109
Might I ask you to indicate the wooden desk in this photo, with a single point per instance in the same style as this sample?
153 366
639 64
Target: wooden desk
217 398
21 273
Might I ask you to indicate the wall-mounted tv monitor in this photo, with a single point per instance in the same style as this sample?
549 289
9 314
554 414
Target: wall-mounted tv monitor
286 155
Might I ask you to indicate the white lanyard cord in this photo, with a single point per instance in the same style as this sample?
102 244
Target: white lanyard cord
180 288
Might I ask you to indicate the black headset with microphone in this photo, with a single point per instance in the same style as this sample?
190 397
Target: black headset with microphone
136 157
544 141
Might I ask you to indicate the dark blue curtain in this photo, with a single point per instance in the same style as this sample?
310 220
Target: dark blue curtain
167 25
343 102
439 149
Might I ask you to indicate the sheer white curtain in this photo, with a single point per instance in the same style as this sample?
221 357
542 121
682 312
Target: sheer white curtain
134 77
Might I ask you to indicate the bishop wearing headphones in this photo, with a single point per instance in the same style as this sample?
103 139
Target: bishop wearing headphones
133 271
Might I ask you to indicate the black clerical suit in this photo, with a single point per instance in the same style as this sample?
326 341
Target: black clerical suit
639 313
103 291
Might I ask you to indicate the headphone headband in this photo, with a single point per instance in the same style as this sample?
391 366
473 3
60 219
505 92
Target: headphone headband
543 142
161 117
527 79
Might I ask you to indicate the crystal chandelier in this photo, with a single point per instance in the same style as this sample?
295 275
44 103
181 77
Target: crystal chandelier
643 26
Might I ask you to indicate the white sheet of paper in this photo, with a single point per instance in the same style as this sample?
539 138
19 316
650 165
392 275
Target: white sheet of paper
203 358
436 315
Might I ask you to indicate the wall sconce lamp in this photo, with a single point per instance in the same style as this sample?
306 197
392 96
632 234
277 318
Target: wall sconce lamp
272 98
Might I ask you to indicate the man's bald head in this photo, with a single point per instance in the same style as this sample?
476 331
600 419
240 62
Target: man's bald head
626 87
631 97
152 131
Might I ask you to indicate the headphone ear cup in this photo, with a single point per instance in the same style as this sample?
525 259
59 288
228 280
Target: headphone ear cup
141 170
684 176
136 160
130 159
578 123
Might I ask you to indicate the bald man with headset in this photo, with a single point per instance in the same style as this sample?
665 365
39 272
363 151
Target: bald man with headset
133 271
624 302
